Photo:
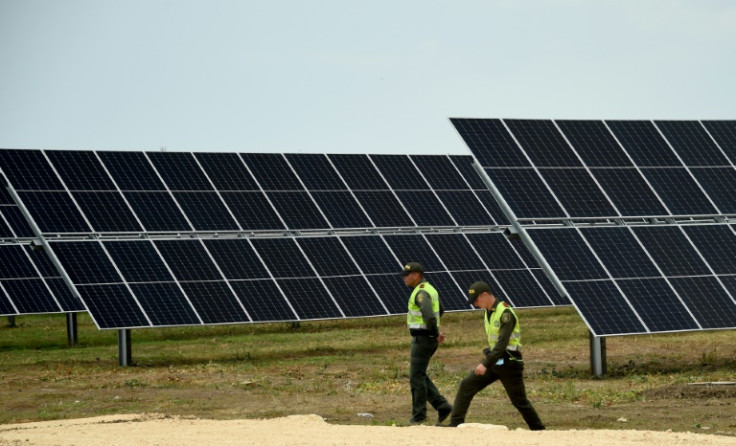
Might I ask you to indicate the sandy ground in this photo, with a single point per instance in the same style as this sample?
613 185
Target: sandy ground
313 430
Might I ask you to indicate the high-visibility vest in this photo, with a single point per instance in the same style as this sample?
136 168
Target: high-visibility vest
414 317
493 326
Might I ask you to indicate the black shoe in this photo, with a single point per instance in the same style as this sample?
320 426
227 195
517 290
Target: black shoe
442 415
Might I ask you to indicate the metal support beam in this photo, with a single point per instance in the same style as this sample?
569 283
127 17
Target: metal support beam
71 329
124 348
597 355
11 321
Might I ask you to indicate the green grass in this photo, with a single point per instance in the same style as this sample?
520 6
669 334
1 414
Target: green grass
340 368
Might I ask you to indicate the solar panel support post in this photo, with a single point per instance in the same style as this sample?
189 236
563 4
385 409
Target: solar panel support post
597 355
71 329
517 230
125 354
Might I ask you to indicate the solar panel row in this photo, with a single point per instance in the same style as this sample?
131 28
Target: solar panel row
607 169
163 282
123 192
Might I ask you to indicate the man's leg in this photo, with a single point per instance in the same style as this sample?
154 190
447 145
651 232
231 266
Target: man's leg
421 351
469 386
512 378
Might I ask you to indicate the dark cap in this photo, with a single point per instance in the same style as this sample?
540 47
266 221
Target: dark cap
476 289
412 267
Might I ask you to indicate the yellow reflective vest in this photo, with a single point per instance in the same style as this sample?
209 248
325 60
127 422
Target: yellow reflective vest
414 317
493 325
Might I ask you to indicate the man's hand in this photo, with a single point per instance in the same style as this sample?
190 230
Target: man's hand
480 370
441 338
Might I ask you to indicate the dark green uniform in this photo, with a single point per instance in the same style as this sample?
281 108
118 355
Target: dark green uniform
423 321
503 362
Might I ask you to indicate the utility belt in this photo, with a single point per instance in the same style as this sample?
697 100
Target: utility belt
421 332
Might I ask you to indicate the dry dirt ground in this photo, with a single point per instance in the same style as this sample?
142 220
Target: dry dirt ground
295 430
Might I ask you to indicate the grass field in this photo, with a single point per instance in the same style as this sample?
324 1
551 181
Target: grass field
338 369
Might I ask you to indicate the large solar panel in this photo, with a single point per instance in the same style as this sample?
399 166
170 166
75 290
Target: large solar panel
164 239
632 217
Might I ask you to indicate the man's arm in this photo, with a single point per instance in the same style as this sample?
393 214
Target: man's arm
425 304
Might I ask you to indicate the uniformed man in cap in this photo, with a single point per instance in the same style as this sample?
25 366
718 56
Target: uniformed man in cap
502 360
423 319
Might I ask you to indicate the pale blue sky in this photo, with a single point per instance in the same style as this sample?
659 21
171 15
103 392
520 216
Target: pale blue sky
348 76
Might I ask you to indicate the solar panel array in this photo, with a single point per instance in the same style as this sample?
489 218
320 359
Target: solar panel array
162 238
632 216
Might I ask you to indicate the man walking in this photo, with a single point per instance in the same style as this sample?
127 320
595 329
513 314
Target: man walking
423 319
502 360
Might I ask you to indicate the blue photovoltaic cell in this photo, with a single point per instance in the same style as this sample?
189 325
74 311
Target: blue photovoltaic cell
85 262
465 208
672 252
341 210
440 172
227 171
496 251
578 193
414 248
629 192
708 301
724 133
30 296
164 303
54 212
180 171
64 296
355 296
603 307
131 171
14 263
372 255
157 211
451 296
594 143
384 209
620 252
567 254
316 172
392 291
188 260
679 192
657 304
719 184
491 143
492 207
215 302
298 210
272 171
358 172
543 143
521 289
112 306
28 170
644 144
525 193
328 256
263 300
400 172
41 260
253 211
205 211
550 288
5 197
80 170
138 261
425 208
466 166
717 243
237 259
17 221
309 298
6 308
467 278
282 257
107 211
455 252
692 143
